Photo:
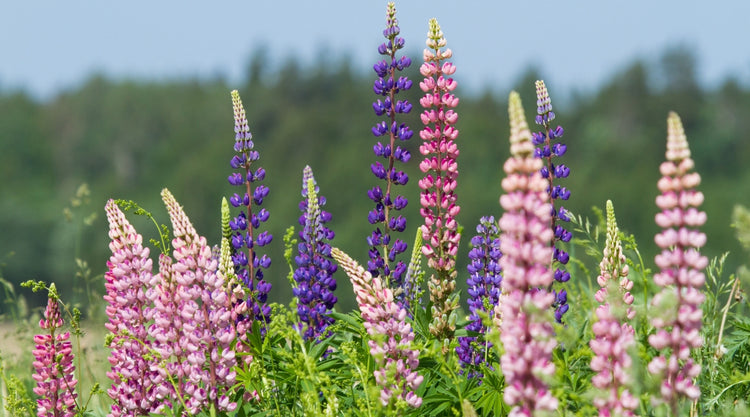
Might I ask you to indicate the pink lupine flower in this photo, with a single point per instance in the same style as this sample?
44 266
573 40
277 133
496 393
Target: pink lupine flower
205 310
680 264
613 336
439 209
390 335
135 373
165 329
526 328
53 363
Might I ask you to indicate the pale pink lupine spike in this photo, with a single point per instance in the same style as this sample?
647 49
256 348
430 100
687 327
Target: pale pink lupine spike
526 327
613 336
390 335
680 271
205 307
134 373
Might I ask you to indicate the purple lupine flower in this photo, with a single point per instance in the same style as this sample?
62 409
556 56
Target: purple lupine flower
526 331
315 269
246 238
680 264
205 309
384 248
439 209
391 336
135 374
613 336
549 147
53 365
484 291
239 301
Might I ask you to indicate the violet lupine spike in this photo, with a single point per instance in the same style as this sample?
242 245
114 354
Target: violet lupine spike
238 299
391 336
384 247
549 147
249 264
54 371
135 374
439 209
205 309
484 284
526 331
613 336
315 267
680 271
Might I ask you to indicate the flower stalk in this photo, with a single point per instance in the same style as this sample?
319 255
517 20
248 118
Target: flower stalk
526 329
439 209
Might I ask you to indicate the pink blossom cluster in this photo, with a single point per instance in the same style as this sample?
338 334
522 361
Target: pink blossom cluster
680 270
439 209
53 363
390 335
135 376
205 311
526 243
172 331
438 199
613 336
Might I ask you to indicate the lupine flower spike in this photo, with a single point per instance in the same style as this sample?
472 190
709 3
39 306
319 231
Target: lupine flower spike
390 336
548 147
246 239
526 330
205 311
53 364
383 247
484 284
135 374
680 273
314 274
613 336
236 289
438 199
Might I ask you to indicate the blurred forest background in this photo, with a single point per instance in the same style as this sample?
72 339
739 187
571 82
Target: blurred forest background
129 139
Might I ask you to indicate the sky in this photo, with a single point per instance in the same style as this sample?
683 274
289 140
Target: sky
49 46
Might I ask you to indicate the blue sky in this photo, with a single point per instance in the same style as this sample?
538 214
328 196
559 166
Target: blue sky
52 45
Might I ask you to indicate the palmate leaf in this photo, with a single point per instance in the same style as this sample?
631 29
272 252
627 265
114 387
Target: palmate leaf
488 397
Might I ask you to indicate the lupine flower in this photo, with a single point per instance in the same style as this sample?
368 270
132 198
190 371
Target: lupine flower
680 264
439 209
53 364
236 291
484 284
390 335
205 310
526 331
246 238
165 331
613 336
135 372
548 147
383 247
315 269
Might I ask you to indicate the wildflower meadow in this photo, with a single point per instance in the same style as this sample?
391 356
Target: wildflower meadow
190 329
